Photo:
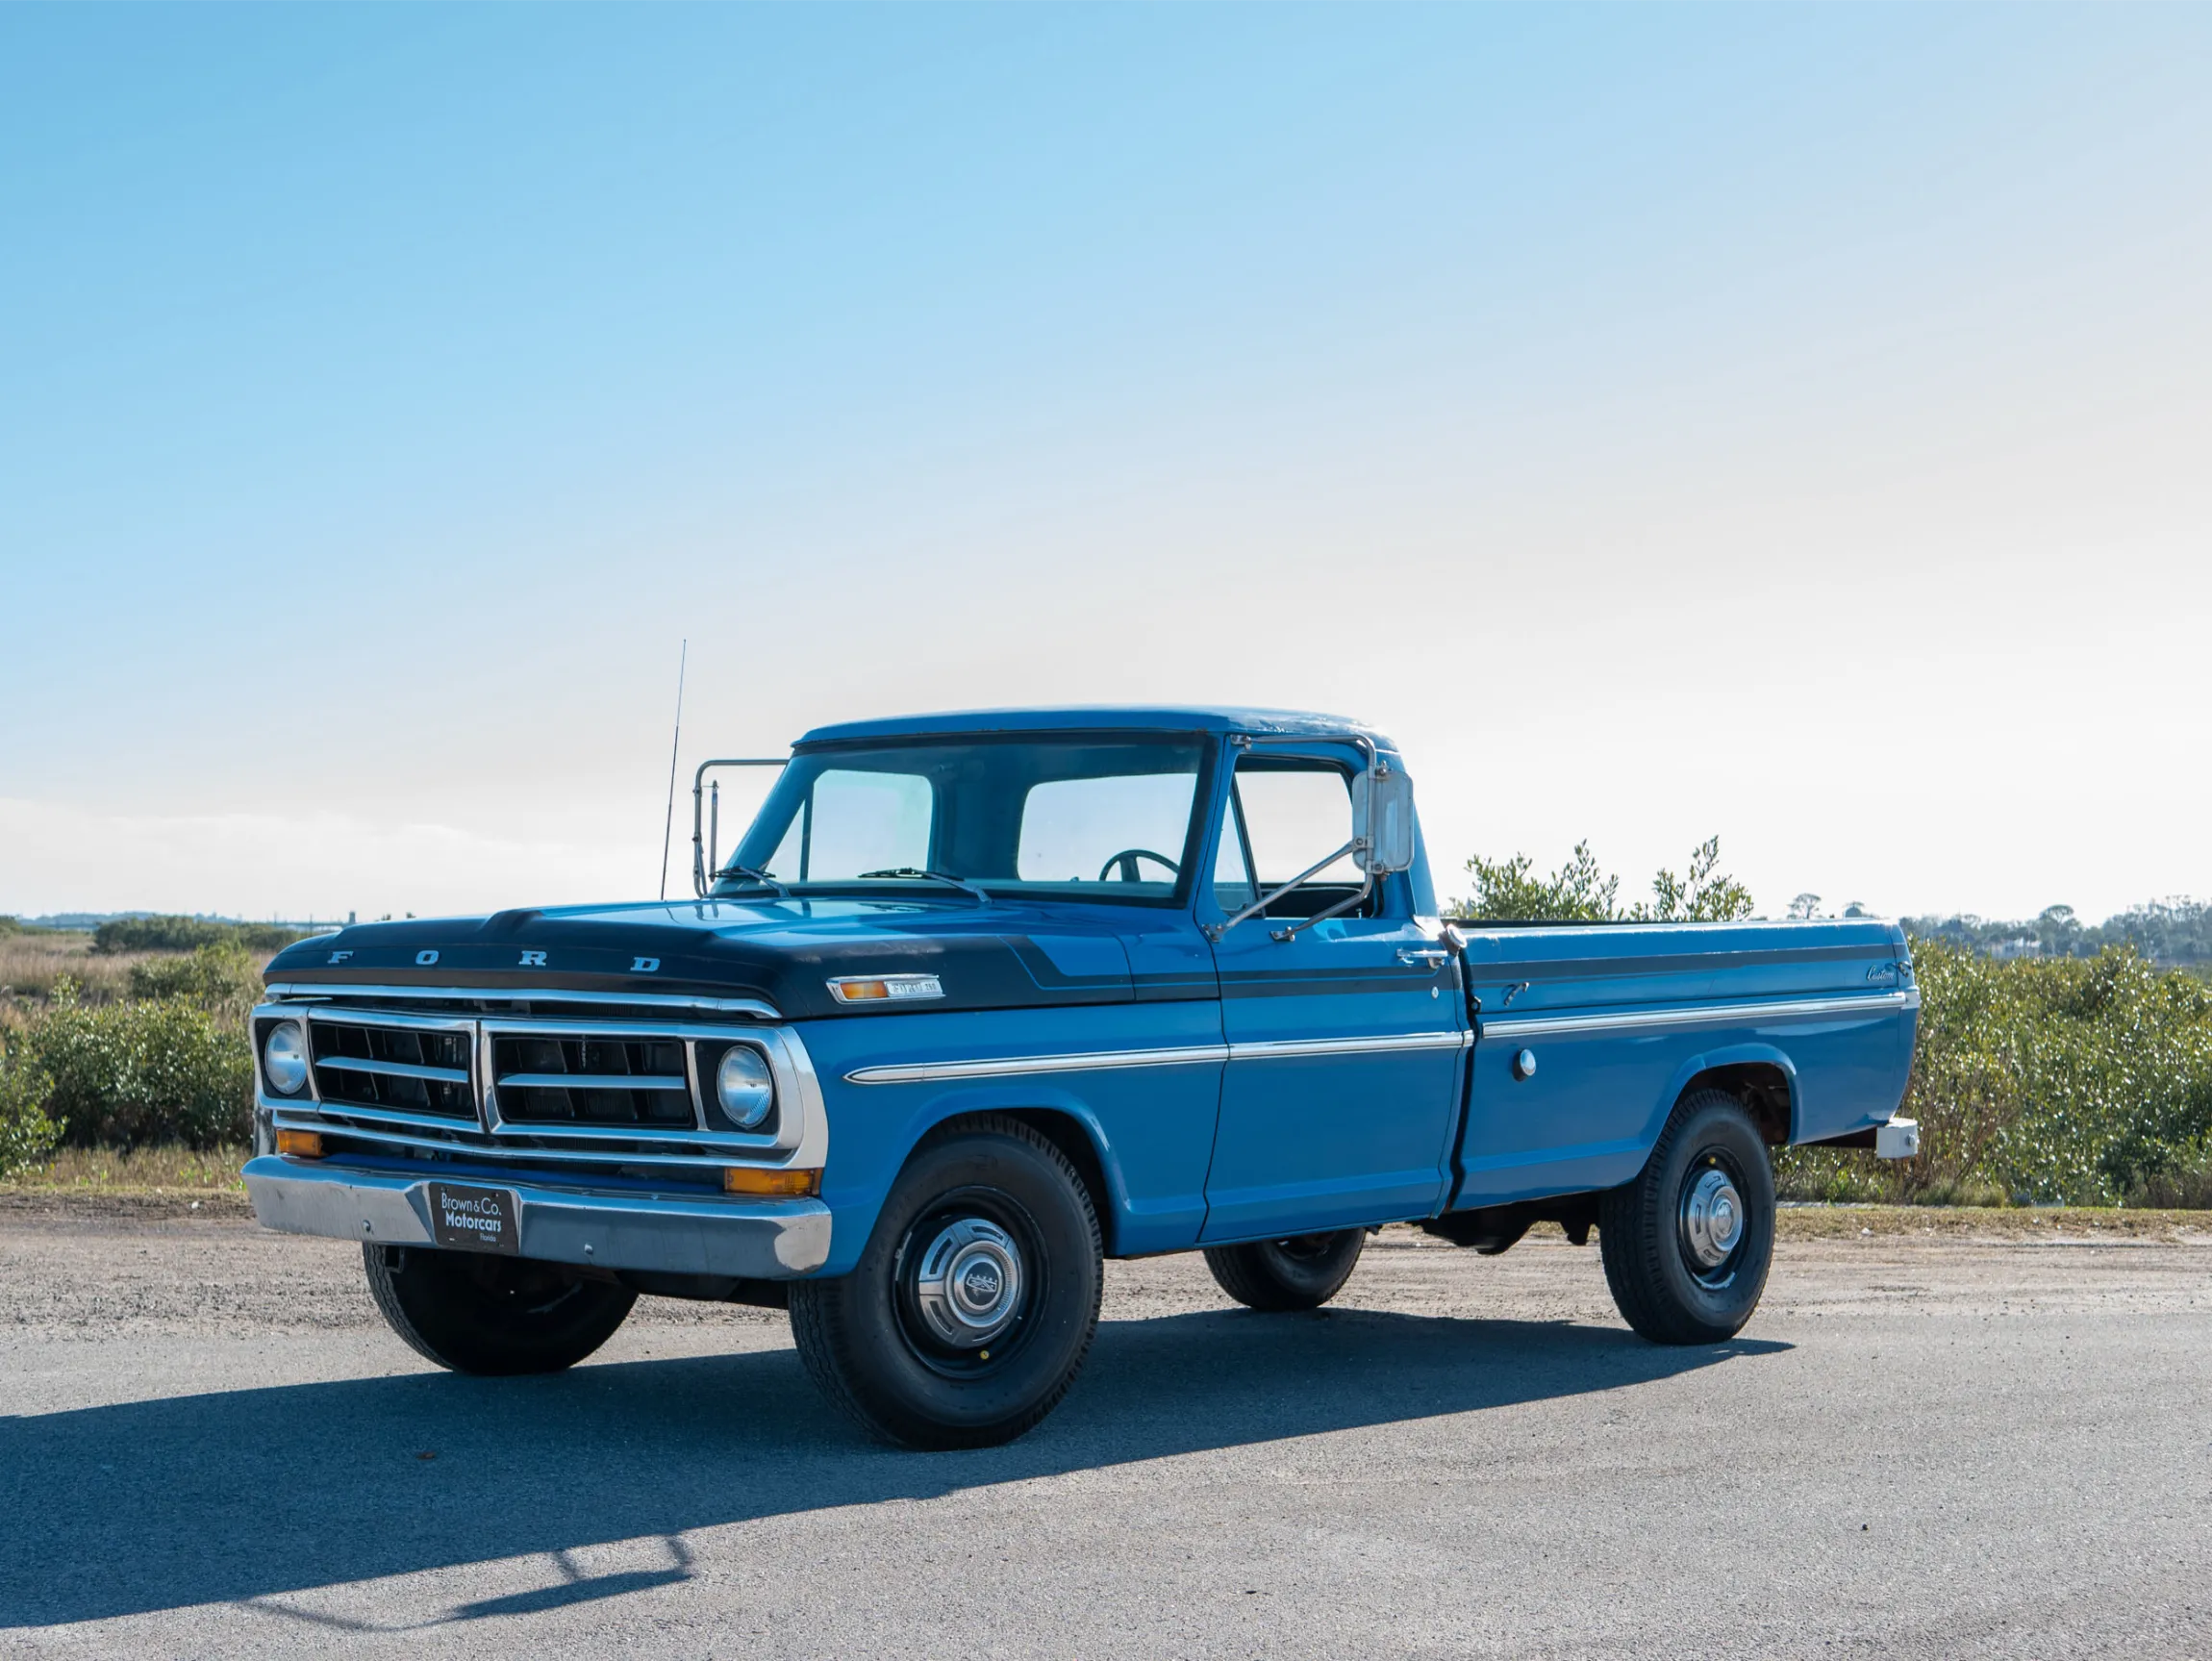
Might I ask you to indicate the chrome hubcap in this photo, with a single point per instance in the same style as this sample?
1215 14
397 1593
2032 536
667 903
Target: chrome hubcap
969 1283
1712 1218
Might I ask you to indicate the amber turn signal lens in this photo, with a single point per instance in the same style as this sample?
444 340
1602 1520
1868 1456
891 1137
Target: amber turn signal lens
300 1144
781 1184
885 987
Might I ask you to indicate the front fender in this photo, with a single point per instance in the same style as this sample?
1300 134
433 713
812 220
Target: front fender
1150 1128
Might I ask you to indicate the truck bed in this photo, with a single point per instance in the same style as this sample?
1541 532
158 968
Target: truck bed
1586 1035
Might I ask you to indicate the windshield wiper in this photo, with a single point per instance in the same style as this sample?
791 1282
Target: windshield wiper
958 882
748 873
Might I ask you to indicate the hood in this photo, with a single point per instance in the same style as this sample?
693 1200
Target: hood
1003 956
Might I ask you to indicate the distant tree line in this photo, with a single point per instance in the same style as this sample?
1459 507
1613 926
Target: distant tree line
187 934
148 933
2176 932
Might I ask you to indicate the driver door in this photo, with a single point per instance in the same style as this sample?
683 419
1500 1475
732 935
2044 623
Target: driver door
1338 1101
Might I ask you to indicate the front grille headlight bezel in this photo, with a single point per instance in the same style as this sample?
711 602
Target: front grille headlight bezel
743 1088
284 1058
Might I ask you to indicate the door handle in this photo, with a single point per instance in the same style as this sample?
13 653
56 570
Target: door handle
1433 956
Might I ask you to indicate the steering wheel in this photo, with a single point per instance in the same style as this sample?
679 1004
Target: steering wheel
1127 860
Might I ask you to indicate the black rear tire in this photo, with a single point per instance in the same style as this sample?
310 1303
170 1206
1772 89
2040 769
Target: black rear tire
473 1312
1304 1271
973 1304
1674 1277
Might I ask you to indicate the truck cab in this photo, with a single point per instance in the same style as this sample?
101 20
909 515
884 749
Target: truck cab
977 1000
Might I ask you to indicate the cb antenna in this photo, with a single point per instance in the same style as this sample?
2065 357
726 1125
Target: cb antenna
669 820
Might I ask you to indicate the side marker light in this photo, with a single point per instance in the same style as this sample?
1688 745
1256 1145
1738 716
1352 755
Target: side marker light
886 988
754 1179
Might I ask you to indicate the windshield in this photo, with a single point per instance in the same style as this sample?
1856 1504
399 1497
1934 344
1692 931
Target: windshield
1084 816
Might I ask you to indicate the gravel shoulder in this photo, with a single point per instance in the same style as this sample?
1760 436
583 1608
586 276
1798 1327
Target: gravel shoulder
1980 1434
28 1202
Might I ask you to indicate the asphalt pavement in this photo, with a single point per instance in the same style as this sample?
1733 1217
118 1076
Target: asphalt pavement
210 1445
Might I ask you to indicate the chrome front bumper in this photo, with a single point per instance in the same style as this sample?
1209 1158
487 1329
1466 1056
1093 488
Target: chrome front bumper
755 1239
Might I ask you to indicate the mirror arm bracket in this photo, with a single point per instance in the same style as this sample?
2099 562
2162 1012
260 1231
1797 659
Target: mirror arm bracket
1216 930
699 879
1376 766
1342 905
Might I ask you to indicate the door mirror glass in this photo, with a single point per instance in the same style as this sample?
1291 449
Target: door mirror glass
1382 819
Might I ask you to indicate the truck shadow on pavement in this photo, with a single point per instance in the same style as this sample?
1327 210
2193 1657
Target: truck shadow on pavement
243 1495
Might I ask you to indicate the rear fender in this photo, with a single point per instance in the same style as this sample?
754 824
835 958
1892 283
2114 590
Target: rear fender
1708 1061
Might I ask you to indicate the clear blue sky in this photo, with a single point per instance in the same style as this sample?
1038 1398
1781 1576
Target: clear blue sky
1790 422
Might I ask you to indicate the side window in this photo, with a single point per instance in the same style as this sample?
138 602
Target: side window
1294 816
860 822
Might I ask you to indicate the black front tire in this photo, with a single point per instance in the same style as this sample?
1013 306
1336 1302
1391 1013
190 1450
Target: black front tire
1670 1275
1301 1273
473 1312
974 1305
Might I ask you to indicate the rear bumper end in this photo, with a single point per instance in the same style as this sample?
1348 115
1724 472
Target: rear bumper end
1900 1139
1892 1139
752 1239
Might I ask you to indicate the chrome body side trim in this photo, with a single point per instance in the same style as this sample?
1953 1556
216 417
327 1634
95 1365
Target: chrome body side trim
1013 1065
750 1006
1291 1049
756 1239
1187 1055
1702 1015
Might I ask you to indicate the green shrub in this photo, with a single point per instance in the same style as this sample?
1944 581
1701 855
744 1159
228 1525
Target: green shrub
156 934
1581 891
186 934
128 1074
27 1135
224 979
2085 1081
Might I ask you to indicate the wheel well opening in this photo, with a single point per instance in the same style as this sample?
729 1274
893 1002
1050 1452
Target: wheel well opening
1762 1087
1066 1133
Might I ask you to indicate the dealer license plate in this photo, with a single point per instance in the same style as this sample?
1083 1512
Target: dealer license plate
474 1219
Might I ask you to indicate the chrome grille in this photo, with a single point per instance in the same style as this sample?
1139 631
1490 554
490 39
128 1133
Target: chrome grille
407 1069
560 1078
464 1075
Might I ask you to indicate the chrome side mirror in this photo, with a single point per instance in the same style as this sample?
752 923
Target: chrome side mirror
1382 819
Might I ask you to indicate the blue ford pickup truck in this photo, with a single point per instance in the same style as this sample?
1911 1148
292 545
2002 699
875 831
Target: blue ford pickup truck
979 1001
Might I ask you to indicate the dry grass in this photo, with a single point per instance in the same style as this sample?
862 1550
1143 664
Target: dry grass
2004 1222
141 1171
31 963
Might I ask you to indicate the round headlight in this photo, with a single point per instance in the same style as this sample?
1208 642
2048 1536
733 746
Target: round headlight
284 1058
743 1086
